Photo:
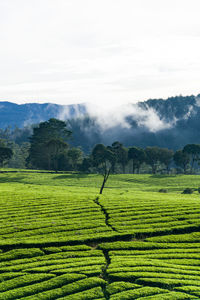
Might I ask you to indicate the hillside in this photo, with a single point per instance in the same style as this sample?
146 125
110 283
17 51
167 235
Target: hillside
170 123
12 114
60 240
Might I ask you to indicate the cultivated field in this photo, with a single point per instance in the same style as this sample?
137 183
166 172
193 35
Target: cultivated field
60 240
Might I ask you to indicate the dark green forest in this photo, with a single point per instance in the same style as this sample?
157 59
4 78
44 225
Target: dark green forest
170 123
161 136
48 147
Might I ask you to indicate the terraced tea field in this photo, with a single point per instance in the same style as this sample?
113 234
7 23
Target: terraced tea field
60 240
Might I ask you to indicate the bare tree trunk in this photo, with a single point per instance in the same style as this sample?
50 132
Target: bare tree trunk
192 166
154 169
105 178
49 161
102 187
133 167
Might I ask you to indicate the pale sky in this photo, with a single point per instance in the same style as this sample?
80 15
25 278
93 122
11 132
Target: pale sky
100 51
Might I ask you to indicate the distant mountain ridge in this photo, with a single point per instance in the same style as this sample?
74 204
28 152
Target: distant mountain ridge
20 115
12 114
170 123
173 107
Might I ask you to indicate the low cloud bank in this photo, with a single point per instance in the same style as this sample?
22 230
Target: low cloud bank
121 116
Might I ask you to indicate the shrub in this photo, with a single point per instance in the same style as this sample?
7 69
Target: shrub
163 191
188 191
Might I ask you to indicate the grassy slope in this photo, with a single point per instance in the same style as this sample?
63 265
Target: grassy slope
141 244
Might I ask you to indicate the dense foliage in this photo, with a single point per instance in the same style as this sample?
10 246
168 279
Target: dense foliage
170 123
47 144
49 148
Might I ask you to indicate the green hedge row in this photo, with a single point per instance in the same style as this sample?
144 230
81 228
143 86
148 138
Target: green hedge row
40 287
120 286
137 293
53 293
166 282
131 275
23 281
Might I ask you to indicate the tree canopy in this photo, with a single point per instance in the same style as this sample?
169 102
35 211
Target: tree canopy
5 154
181 159
47 142
138 157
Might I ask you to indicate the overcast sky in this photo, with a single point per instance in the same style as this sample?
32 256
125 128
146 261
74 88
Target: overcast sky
101 51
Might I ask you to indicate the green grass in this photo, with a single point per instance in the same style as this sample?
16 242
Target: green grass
58 242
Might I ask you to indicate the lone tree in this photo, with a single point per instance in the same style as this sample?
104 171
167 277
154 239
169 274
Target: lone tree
103 159
5 154
47 143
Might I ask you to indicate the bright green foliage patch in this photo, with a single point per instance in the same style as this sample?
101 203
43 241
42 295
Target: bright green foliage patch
193 237
169 296
23 281
68 289
166 283
193 290
20 253
121 286
136 293
35 288
95 293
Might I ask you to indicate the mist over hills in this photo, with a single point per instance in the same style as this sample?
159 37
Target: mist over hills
170 123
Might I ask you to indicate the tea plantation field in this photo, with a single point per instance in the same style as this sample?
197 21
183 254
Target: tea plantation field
59 239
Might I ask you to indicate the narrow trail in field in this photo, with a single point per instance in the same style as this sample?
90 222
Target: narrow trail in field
104 211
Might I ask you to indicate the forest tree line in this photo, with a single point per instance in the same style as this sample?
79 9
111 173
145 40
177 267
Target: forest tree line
48 148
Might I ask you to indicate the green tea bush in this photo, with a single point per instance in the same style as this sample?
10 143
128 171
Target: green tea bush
10 275
46 264
136 293
23 280
68 289
169 296
134 275
20 253
94 293
42 286
121 286
153 269
166 283
190 289
193 237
